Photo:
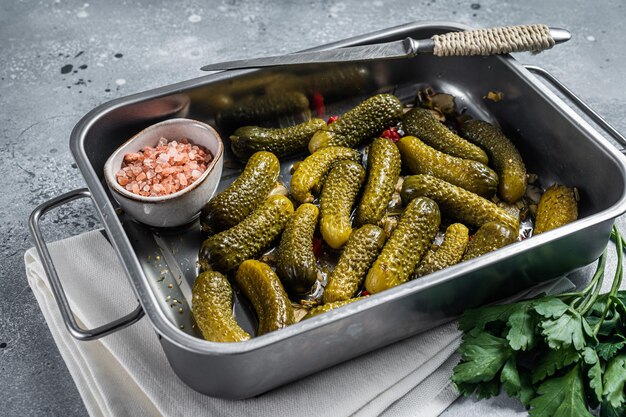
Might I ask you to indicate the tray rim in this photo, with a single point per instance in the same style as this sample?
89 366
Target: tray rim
146 297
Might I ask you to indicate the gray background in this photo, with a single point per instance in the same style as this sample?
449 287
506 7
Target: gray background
117 48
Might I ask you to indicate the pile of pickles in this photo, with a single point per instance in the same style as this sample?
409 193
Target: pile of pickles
422 201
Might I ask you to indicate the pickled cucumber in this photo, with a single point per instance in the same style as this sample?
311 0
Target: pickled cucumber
260 284
490 236
504 156
363 122
340 190
361 250
449 253
310 174
296 265
244 195
421 123
213 309
456 202
281 142
383 170
327 307
256 110
333 83
213 98
472 175
557 208
408 243
226 250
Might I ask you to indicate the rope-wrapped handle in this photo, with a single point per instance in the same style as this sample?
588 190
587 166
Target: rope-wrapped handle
501 40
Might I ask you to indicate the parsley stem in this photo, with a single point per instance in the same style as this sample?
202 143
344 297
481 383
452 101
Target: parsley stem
598 276
619 246
617 280
596 283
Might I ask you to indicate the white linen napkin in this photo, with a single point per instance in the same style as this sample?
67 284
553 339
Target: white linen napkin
127 373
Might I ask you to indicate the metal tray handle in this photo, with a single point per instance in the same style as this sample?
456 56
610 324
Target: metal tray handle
57 289
610 130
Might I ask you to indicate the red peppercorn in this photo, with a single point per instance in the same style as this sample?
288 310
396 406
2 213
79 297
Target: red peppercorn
332 119
364 293
391 134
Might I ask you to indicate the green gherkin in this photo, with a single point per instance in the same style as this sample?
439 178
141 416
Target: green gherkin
421 123
281 142
456 202
255 110
472 175
260 284
244 195
213 309
383 171
338 195
296 265
225 251
332 83
327 307
490 236
311 173
504 156
363 122
447 254
557 208
361 250
408 243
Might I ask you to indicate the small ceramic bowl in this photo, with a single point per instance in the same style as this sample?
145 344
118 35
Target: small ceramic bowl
183 206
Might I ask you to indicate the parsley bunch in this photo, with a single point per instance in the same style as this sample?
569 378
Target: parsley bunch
561 355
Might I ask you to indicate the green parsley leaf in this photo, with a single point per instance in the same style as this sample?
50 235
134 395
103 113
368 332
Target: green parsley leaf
611 324
598 306
487 389
620 309
561 397
481 390
552 360
566 330
620 301
516 384
482 357
477 319
521 323
607 410
614 380
465 389
594 373
606 350
550 307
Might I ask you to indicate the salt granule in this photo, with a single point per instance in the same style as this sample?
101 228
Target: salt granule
165 169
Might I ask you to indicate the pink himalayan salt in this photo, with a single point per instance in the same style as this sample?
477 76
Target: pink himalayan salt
165 169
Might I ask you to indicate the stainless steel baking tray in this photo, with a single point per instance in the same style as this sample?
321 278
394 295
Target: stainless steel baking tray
161 264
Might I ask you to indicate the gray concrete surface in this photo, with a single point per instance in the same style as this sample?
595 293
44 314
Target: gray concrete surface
61 58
